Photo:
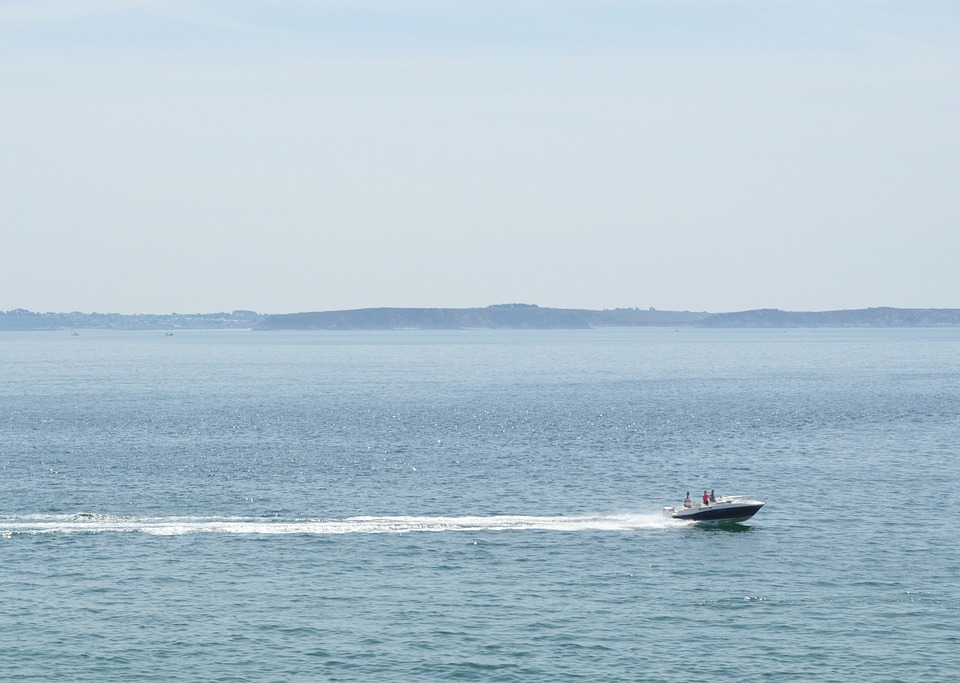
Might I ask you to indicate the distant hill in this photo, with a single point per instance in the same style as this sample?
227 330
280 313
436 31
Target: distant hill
503 316
498 317
525 316
866 317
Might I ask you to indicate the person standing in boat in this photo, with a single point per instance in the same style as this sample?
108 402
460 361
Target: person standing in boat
687 503
706 497
713 498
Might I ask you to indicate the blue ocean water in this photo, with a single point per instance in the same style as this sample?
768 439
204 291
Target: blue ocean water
478 506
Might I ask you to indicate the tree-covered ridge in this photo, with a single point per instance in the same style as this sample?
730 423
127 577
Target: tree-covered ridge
518 316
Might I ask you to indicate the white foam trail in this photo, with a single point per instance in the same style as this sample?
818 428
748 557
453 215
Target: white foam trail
175 526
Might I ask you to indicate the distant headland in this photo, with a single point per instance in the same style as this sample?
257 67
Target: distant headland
496 317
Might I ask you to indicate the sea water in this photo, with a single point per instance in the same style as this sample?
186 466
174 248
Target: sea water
478 506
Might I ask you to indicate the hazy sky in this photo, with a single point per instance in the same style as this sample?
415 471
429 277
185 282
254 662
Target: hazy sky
294 155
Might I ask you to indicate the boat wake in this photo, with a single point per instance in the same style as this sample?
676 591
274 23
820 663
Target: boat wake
177 526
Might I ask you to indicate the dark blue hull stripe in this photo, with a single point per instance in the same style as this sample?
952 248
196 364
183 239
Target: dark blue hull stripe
716 514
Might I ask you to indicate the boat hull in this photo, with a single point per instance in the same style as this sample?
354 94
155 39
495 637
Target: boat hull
718 513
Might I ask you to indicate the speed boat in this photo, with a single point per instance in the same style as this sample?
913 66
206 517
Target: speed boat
726 509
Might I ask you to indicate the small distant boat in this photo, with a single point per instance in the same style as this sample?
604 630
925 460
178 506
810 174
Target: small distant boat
726 509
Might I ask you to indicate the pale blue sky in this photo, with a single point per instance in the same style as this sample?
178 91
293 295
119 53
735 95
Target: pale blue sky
202 155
